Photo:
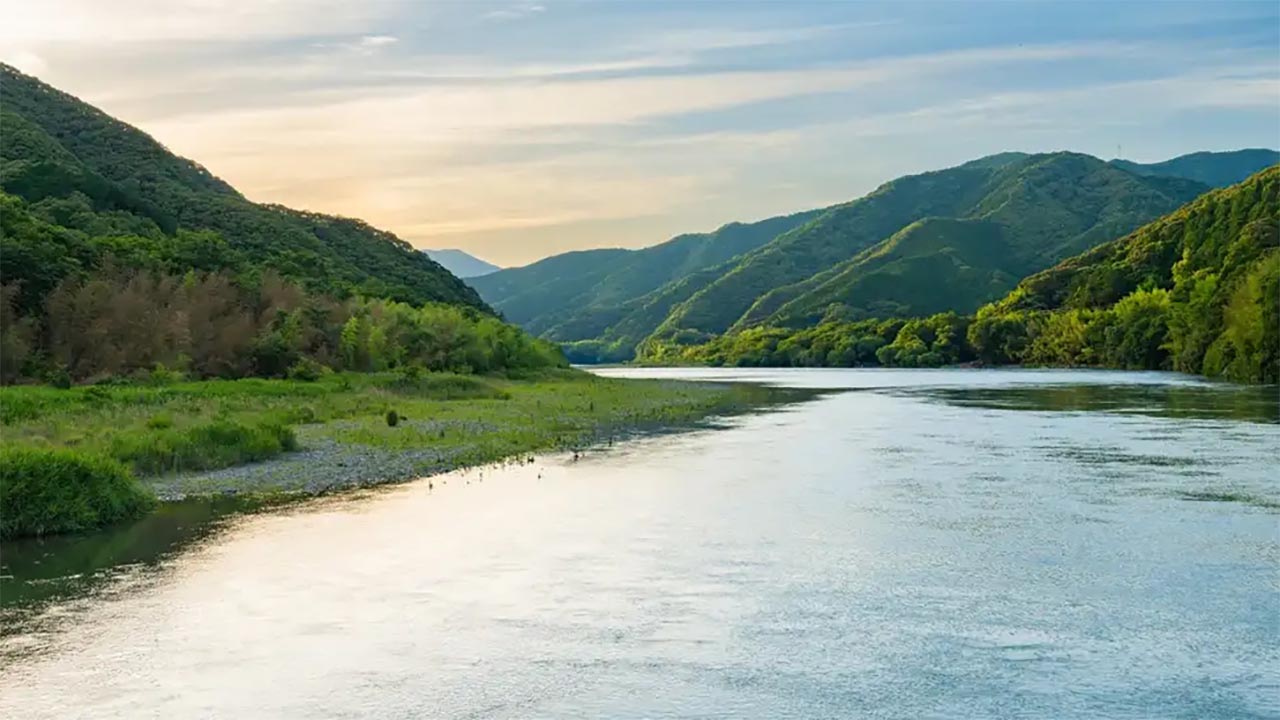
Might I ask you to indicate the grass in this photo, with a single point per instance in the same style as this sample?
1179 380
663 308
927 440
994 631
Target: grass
52 491
166 431
215 444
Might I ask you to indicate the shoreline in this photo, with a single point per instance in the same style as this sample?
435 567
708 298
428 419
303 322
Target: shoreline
324 465
275 440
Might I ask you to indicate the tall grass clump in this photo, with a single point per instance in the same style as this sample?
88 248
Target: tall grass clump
216 444
45 491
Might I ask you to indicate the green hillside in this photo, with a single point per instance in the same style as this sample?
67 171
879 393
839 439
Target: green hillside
116 191
1033 210
580 295
931 265
1196 291
1215 169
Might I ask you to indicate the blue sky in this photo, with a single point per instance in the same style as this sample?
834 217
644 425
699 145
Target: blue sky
516 130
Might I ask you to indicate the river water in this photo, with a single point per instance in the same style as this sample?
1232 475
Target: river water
923 544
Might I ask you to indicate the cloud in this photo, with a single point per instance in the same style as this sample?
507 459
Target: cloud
514 12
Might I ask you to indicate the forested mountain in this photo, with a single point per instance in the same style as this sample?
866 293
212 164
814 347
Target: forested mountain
581 295
110 189
462 264
1215 169
1009 215
1197 290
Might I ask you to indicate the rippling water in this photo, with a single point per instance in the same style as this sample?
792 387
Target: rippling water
951 544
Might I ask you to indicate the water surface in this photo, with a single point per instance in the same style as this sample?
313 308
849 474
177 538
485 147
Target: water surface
927 544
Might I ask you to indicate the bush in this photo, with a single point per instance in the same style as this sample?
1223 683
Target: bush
58 377
307 370
52 491
161 375
217 444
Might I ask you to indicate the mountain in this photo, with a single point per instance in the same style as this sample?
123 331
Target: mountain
946 240
1215 169
85 187
611 293
461 264
1197 291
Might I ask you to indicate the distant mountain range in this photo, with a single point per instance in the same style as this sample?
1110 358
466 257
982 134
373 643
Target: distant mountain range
952 239
1215 169
462 264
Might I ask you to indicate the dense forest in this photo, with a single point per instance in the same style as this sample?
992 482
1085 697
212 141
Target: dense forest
1196 291
950 240
119 259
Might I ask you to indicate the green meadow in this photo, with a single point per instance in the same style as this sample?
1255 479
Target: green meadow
182 439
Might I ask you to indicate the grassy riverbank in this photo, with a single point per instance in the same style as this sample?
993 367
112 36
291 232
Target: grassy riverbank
288 437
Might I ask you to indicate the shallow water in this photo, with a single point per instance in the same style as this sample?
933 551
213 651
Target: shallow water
929 544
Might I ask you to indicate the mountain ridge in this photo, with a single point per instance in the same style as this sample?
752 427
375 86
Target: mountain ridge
81 168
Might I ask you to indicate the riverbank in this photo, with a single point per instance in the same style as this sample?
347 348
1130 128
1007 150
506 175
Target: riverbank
284 438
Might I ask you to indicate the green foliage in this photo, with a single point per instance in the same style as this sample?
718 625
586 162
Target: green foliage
1194 291
216 444
831 344
307 370
929 342
159 328
53 490
80 186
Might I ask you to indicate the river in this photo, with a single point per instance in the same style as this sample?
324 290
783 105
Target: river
921 544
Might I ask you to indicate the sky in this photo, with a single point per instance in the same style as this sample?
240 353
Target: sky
518 130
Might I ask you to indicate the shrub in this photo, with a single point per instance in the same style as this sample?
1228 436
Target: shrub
307 370
217 444
161 375
50 491
58 377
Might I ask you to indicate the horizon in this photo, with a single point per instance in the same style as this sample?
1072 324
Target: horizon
475 127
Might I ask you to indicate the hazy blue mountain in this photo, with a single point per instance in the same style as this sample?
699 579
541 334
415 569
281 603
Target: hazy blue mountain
1215 169
462 264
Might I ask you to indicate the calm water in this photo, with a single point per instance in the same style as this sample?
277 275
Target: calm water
951 544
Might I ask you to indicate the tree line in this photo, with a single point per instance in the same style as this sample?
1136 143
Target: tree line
120 322
1234 334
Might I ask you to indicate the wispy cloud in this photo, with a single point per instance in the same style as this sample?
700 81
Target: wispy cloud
515 12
